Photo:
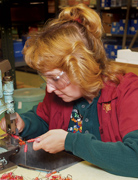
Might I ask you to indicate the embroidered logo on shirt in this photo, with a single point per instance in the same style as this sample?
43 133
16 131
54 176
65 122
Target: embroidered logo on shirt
107 107
76 117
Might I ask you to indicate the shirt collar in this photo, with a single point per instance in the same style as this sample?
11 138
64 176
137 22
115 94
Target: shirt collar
108 93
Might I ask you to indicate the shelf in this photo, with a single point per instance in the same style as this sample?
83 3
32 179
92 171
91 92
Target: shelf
18 64
92 6
117 8
27 4
113 35
113 8
60 7
118 35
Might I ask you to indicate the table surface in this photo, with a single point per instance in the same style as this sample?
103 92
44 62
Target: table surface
80 171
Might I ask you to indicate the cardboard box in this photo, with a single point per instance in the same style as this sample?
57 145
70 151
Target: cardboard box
113 3
32 29
115 28
93 2
107 27
127 56
114 49
51 6
63 2
105 3
74 2
51 2
51 9
133 26
18 47
119 3
134 3
87 2
110 17
122 26
111 48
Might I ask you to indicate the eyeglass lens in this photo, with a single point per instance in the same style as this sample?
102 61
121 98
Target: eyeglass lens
57 82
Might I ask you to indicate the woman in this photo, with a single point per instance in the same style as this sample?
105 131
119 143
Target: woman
90 107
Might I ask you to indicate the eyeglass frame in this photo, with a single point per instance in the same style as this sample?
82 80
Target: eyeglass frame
58 77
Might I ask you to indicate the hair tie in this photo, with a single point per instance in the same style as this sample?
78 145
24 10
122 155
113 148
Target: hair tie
78 20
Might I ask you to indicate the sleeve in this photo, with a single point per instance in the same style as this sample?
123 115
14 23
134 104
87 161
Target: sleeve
34 125
127 106
44 108
119 158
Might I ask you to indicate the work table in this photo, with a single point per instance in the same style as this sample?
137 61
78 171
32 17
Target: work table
80 171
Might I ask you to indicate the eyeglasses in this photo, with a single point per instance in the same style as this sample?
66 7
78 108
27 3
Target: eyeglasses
58 81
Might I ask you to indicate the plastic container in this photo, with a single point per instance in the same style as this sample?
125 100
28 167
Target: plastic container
26 98
18 47
43 86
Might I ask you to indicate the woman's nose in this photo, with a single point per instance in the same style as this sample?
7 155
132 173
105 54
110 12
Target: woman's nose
50 89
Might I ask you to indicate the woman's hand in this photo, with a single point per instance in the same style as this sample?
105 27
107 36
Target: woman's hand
53 141
19 123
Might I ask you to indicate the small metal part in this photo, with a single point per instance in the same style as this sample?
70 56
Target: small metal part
3 163
10 123
3 106
9 146
8 89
